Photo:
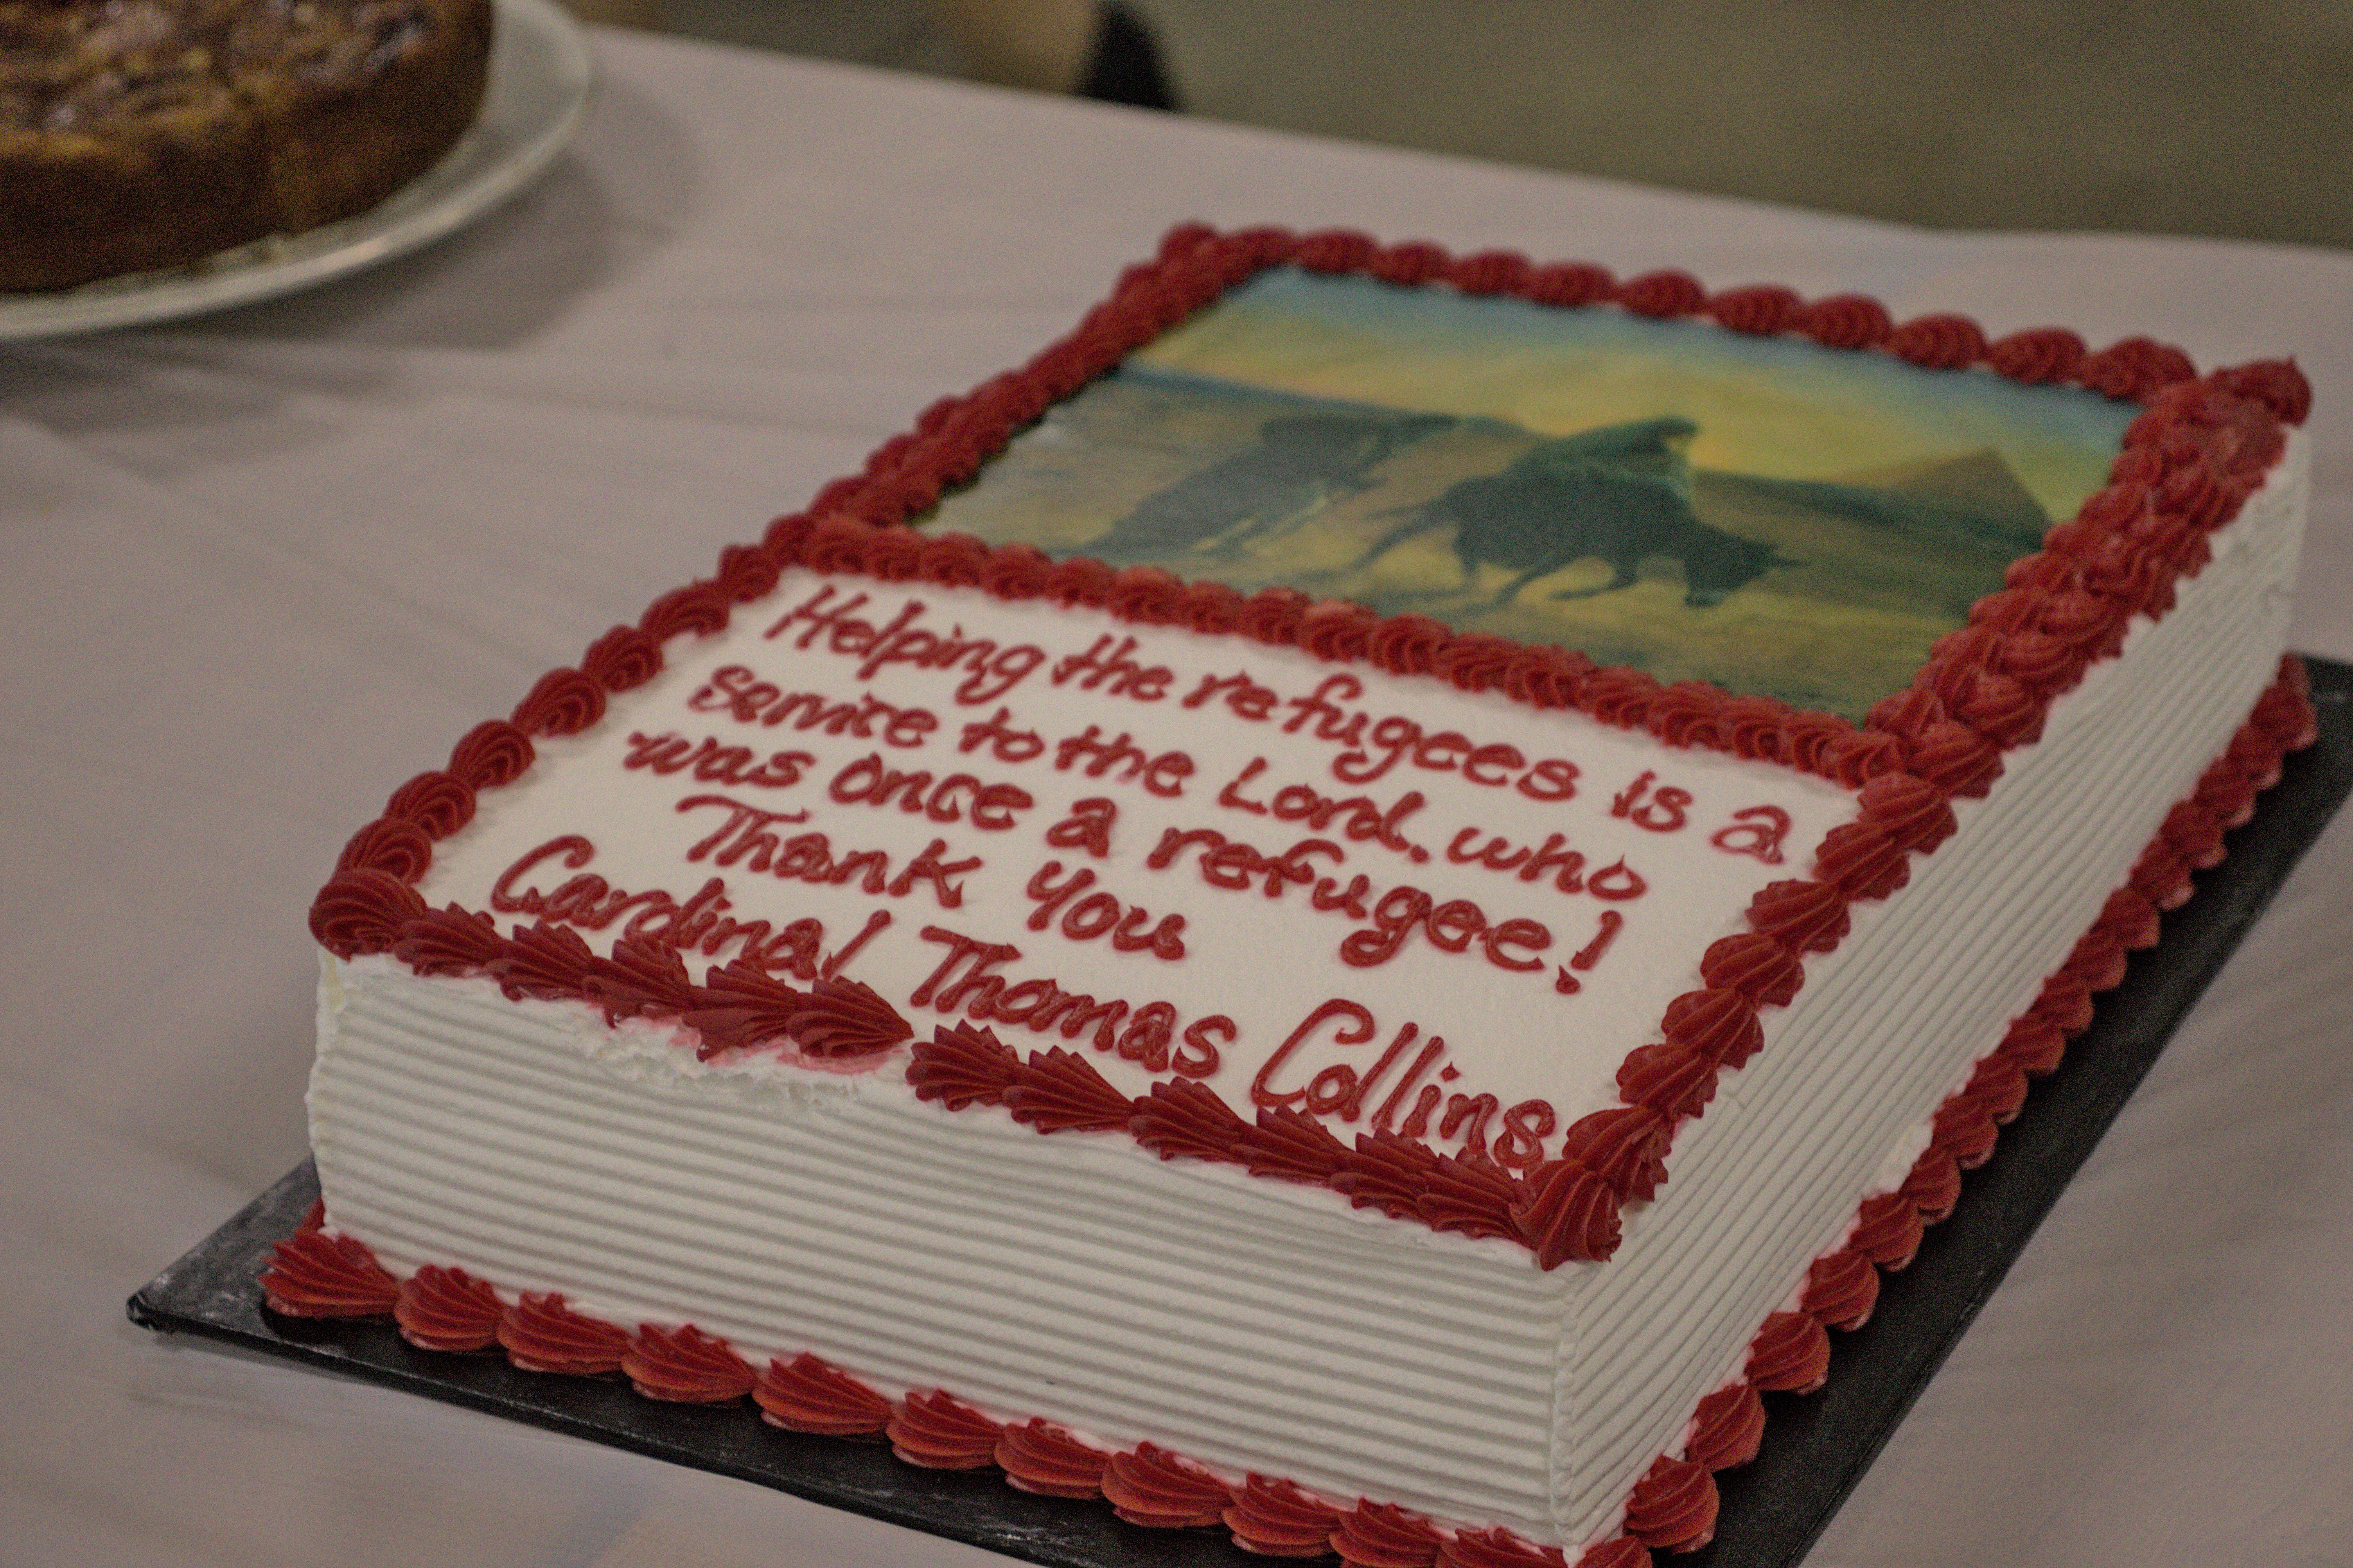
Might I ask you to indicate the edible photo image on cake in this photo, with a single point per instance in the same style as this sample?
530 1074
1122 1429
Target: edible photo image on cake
1767 514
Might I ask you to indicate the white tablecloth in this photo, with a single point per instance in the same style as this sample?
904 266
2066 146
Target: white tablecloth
261 567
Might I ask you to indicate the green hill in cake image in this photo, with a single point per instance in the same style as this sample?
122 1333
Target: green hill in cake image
1775 516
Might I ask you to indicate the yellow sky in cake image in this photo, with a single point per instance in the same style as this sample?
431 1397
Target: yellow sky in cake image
1775 407
1836 511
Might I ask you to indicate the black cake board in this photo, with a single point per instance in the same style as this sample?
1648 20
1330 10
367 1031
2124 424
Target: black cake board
1816 1445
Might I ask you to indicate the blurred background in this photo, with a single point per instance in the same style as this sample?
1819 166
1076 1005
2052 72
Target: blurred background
2226 118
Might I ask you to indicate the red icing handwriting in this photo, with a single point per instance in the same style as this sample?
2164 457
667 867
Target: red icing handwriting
1372 747
968 981
1393 918
1230 864
1361 817
1660 811
672 752
1164 775
1450 927
1554 858
1005 743
748 836
838 962
990 671
737 690
1496 854
1757 830
1100 912
1588 955
697 923
1404 1103
1087 827
1113 671
1244 696
868 781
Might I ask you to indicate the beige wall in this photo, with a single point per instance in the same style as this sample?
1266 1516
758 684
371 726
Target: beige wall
2168 116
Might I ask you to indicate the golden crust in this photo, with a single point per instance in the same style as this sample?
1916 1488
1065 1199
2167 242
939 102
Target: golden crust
138 134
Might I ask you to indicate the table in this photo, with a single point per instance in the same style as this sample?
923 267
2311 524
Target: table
257 566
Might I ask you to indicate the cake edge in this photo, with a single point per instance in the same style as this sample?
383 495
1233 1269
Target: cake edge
318 1274
2120 555
2187 466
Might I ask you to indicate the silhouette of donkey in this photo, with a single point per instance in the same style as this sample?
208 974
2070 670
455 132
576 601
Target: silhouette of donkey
1301 464
1619 493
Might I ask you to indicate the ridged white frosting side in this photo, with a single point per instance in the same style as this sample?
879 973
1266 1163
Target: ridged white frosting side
1893 1020
1250 1324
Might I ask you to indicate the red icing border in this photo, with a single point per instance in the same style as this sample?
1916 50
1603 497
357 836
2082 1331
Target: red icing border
2187 465
1673 1508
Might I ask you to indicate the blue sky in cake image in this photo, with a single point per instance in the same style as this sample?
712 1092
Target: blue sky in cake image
1781 518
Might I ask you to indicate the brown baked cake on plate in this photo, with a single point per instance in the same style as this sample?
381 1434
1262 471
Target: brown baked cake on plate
145 134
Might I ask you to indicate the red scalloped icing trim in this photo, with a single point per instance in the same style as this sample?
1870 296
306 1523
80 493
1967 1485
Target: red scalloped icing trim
930 1429
2184 467
1275 1518
685 1366
447 1310
939 1433
1383 1535
1039 1457
540 1333
314 1275
1673 1508
1790 1350
807 1394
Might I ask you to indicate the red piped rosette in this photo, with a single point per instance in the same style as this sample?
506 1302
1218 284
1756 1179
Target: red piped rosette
1673 1506
314 1275
1039 1457
1153 1487
1275 1518
1625 1552
1841 1288
540 1333
1390 1174
845 1019
1060 1091
684 1366
807 1394
931 1430
960 1065
1789 1355
447 1310
1382 1535
1887 1231
1183 1116
1497 1549
1727 1428
393 844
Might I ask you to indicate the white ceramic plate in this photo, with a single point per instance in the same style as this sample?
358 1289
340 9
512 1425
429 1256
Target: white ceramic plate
540 78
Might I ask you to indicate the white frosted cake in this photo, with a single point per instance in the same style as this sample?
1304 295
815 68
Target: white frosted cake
1166 977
